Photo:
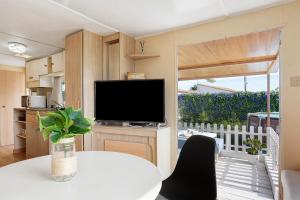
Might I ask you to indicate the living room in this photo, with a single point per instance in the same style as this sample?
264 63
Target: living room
94 56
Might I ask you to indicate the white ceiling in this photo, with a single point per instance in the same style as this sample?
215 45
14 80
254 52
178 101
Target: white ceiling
11 61
43 24
145 17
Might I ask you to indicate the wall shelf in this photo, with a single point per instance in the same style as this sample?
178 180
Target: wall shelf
141 57
21 136
23 122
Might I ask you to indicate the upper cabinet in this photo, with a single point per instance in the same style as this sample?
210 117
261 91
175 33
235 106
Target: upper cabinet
36 68
39 72
116 62
58 62
41 67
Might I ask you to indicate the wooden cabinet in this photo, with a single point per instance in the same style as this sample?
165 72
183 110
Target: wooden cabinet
35 143
6 126
58 62
36 68
116 62
12 87
113 67
42 66
149 143
30 71
83 65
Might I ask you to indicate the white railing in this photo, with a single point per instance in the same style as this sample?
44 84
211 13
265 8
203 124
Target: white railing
235 136
234 147
273 147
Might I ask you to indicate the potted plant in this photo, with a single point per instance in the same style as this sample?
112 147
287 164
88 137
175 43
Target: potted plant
254 146
60 127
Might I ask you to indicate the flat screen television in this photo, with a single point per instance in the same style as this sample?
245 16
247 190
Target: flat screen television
130 100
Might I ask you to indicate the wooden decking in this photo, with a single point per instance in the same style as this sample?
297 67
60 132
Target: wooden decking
239 180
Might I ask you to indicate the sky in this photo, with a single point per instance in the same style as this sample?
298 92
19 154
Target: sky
255 83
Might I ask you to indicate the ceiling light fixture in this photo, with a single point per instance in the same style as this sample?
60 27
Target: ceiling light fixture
26 56
17 47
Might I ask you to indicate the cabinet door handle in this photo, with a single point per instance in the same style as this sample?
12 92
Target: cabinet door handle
45 65
30 77
3 106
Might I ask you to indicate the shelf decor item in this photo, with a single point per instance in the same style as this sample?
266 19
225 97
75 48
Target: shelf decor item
254 146
60 127
142 44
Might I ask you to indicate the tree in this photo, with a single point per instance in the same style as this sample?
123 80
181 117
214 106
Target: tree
194 87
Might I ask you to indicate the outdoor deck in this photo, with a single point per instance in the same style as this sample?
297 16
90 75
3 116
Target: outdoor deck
239 180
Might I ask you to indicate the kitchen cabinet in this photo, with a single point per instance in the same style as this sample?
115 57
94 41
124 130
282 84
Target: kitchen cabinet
30 71
36 68
58 62
35 143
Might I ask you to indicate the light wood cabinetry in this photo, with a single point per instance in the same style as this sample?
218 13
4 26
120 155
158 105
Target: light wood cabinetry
113 55
30 71
36 68
35 144
6 126
58 62
152 144
35 74
83 65
116 62
19 130
12 87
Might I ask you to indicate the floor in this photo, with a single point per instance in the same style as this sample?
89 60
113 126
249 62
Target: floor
7 156
240 180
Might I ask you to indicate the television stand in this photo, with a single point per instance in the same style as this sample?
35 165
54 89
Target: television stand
143 124
150 143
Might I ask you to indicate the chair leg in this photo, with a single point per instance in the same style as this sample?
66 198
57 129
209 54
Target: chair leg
160 197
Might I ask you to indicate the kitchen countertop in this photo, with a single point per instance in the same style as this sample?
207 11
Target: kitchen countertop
36 109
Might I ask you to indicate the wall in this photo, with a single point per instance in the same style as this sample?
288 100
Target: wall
286 16
12 68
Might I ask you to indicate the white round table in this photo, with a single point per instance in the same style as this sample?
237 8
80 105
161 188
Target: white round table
100 175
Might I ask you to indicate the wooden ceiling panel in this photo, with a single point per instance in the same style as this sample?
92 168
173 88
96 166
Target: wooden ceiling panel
228 71
254 45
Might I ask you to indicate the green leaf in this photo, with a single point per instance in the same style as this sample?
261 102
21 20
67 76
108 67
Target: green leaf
79 130
77 114
55 115
55 137
63 123
47 121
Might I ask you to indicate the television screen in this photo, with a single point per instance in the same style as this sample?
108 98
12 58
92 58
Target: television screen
130 100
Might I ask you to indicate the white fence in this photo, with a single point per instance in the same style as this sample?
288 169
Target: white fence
235 136
273 147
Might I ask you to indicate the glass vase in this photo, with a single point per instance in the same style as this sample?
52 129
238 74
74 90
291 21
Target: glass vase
64 160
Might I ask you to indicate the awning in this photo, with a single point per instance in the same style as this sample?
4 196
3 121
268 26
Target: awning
251 54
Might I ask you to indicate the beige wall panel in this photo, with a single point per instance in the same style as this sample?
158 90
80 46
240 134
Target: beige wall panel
286 16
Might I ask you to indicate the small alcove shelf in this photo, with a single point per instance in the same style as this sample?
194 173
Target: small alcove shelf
142 56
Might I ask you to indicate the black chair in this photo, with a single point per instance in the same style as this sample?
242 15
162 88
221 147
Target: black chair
194 177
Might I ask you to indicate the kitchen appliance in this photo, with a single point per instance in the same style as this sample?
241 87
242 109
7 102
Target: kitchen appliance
37 101
25 101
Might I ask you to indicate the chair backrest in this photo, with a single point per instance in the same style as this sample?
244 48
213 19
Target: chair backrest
195 168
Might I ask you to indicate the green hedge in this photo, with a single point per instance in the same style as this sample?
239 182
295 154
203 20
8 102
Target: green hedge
224 108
